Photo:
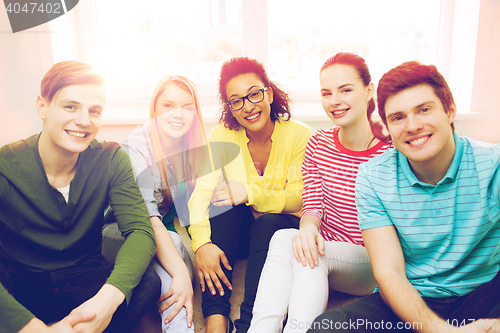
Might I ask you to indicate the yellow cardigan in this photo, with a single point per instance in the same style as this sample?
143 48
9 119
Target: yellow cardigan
279 190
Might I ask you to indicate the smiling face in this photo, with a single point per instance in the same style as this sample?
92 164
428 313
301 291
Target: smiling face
420 128
174 111
72 119
253 116
344 96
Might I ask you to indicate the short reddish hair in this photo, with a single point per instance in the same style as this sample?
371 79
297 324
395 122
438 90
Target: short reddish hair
408 75
68 73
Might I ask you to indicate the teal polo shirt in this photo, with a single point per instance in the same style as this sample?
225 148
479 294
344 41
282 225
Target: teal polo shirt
449 232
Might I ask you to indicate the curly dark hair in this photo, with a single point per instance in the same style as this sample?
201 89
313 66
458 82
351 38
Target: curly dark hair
280 107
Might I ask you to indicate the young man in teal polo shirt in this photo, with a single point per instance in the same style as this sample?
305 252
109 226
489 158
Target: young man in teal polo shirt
54 188
429 212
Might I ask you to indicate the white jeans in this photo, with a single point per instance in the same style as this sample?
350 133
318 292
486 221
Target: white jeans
286 284
179 323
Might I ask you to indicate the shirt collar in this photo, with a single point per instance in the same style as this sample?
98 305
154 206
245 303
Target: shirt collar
450 174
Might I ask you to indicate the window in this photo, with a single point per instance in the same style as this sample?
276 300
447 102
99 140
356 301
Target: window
385 33
135 46
154 38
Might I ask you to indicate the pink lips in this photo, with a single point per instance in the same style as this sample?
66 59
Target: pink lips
77 135
419 141
339 114
253 115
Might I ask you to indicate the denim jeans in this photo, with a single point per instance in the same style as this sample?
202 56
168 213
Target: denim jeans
52 295
369 313
240 235
113 240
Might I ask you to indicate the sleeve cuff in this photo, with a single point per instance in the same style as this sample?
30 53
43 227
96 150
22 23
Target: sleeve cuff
252 191
315 213
153 209
200 234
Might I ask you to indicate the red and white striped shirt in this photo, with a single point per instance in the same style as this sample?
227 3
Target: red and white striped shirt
329 170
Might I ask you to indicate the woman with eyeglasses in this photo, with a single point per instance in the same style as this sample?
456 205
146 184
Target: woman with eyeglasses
168 154
328 250
236 209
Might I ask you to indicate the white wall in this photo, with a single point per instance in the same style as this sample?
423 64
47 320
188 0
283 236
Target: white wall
25 56
21 71
486 86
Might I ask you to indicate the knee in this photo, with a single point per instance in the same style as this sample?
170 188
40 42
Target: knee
183 252
265 225
150 281
176 238
262 230
112 232
282 239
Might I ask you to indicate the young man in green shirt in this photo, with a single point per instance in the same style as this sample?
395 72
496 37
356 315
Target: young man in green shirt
54 187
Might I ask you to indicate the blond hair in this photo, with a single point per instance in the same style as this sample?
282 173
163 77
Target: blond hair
195 137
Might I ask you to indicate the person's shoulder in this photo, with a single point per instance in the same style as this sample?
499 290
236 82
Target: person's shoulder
322 137
292 134
104 155
324 134
222 132
138 139
17 153
140 135
292 131
379 171
296 126
480 147
102 149
388 160
482 152
19 158
220 129
18 147
103 145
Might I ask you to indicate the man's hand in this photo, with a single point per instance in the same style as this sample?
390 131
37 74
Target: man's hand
208 259
35 325
104 304
180 293
308 243
229 193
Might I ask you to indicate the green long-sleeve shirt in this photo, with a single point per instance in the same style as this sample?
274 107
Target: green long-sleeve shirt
41 232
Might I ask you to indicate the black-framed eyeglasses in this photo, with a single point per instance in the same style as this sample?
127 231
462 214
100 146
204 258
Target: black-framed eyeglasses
255 96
